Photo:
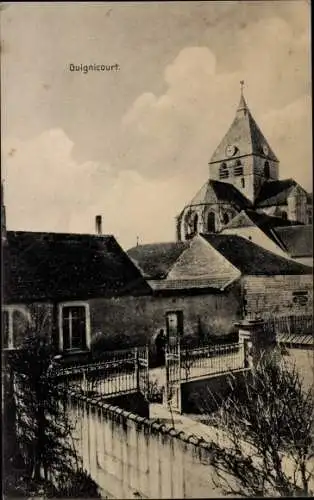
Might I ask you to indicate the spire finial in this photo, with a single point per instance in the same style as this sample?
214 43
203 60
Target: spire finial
242 104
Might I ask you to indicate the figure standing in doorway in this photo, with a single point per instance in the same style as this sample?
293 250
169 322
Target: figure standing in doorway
160 343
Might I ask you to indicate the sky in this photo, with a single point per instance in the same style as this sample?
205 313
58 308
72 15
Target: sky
133 144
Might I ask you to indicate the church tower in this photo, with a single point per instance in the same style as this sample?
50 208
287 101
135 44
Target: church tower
244 157
243 174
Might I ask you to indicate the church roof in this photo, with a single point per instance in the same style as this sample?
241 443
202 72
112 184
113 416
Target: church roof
249 218
297 240
216 191
48 266
252 259
245 135
156 259
275 192
266 223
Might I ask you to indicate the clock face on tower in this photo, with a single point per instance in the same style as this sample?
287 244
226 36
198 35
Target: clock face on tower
230 150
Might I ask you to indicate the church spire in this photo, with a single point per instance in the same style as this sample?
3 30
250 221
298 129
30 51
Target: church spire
242 104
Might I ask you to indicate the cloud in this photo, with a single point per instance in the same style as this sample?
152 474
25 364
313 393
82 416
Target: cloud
151 152
46 190
176 132
44 186
290 130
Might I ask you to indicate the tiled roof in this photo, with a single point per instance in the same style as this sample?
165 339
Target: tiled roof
67 266
275 193
266 223
189 284
245 134
252 259
216 191
248 218
155 260
297 240
296 339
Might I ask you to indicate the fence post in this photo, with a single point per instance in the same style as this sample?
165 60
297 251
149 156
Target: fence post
254 340
137 369
167 388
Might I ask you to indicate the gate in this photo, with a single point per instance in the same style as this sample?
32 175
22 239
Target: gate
173 377
142 370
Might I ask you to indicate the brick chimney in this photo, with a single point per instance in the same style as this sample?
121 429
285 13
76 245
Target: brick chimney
3 216
98 224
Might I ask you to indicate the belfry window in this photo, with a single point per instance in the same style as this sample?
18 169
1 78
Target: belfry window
223 171
242 182
211 225
266 170
284 215
238 169
225 218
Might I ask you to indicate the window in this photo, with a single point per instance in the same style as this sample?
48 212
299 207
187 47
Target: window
74 326
223 171
225 218
242 182
238 169
174 324
266 170
309 217
211 225
15 321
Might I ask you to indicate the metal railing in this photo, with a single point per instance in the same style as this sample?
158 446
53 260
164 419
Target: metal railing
289 324
119 372
210 360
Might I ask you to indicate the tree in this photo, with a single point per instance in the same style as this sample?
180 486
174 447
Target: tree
264 441
43 430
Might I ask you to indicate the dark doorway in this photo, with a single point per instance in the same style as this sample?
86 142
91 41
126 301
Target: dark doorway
174 325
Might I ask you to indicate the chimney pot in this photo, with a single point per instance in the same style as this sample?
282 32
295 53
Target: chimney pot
98 221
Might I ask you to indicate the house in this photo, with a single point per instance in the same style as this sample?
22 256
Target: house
243 174
204 285
297 242
275 234
63 285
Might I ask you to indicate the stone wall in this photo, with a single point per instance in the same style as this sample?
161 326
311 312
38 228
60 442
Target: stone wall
271 296
206 394
303 359
133 457
129 321
136 320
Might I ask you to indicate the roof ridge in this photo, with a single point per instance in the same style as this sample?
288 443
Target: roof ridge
56 233
225 251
